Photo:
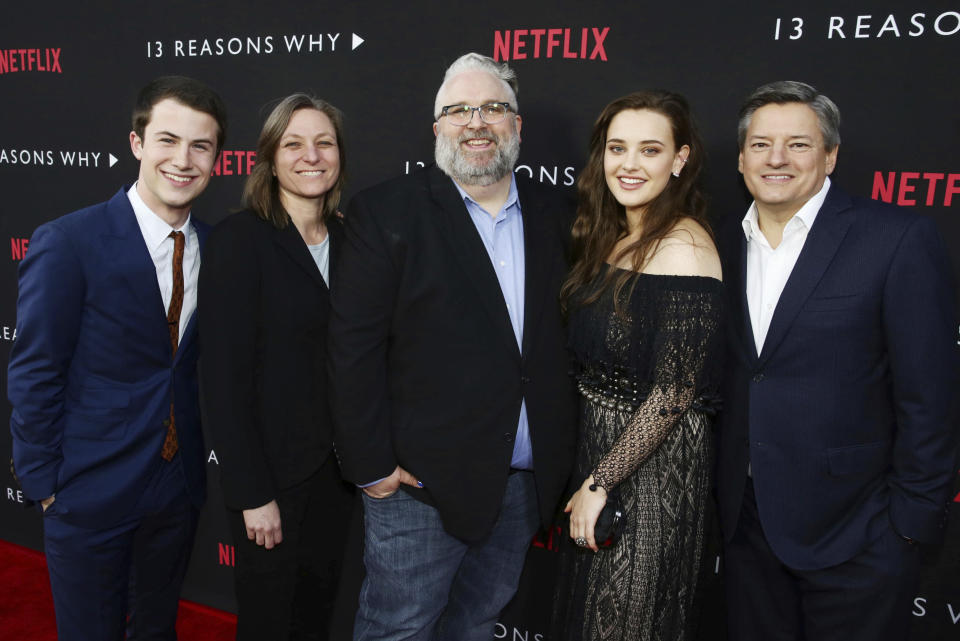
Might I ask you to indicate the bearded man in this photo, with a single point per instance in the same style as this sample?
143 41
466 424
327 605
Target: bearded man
453 409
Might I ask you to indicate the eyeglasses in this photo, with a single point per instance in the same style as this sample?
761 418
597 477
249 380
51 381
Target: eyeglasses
490 113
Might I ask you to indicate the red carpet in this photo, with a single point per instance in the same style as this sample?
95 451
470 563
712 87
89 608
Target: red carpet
26 607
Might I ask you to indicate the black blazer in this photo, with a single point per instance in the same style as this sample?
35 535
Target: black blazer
847 414
263 378
423 359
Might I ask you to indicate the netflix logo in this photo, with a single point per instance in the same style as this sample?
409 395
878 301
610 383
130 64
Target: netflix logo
908 188
18 248
234 163
227 554
548 540
14 60
584 43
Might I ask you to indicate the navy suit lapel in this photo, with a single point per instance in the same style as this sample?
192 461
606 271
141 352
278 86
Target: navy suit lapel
189 332
742 306
538 247
202 230
454 219
127 254
823 240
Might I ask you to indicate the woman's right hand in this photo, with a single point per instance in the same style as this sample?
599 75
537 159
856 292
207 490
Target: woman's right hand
584 508
263 525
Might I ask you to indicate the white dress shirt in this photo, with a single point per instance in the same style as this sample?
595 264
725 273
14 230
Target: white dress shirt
767 268
156 234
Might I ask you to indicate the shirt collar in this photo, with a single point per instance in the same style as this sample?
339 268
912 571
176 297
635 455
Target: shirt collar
805 216
512 198
155 230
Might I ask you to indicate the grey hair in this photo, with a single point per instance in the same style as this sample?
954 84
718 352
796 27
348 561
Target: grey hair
787 91
477 62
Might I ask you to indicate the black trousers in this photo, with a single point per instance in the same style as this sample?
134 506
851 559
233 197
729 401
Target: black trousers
866 598
288 592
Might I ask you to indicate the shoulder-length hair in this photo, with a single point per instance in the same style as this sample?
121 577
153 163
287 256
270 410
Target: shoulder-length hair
601 221
261 192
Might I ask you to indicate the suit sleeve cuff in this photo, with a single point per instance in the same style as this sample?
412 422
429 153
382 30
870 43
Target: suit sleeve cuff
363 485
918 522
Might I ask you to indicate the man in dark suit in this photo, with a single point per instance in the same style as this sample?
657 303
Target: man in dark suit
105 424
838 434
452 407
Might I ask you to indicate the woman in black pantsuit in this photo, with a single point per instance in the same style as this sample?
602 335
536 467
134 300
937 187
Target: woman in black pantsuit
263 310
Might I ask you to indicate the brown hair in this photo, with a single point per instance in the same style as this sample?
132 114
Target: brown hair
188 92
261 192
601 221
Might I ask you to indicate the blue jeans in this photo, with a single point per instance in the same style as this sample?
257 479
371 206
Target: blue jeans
424 585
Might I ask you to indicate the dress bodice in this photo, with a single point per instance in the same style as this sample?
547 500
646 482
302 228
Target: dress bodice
655 355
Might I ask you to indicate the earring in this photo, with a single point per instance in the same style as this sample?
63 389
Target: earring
676 174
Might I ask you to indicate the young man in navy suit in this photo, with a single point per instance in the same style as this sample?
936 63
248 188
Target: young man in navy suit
102 379
838 434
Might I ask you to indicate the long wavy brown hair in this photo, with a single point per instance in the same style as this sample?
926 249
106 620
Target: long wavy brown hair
601 221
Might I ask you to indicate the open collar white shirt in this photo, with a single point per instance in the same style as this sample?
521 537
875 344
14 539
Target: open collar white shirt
156 235
767 268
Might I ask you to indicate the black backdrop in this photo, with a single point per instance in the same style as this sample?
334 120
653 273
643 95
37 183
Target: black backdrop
69 72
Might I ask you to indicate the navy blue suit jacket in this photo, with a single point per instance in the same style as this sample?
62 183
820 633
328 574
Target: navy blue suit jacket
847 414
92 373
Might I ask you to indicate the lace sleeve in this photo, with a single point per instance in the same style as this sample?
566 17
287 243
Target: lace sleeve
682 343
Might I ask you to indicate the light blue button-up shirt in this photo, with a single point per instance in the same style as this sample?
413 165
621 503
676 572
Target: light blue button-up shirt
502 235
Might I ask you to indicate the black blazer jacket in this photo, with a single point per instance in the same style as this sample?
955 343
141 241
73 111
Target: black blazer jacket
424 363
263 376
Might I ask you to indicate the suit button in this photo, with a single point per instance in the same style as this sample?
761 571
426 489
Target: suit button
525 380
508 437
758 377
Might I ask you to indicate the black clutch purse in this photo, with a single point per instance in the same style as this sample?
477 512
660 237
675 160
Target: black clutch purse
609 524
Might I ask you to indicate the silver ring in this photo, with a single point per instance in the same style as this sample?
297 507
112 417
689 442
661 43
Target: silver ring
580 541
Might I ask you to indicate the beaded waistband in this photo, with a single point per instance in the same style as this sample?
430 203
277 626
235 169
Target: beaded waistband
610 398
613 398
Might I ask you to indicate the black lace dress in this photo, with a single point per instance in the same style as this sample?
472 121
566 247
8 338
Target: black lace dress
648 379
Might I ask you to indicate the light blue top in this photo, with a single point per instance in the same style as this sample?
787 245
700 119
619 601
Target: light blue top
321 256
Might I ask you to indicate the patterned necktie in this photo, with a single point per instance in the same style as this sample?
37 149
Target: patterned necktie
173 324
